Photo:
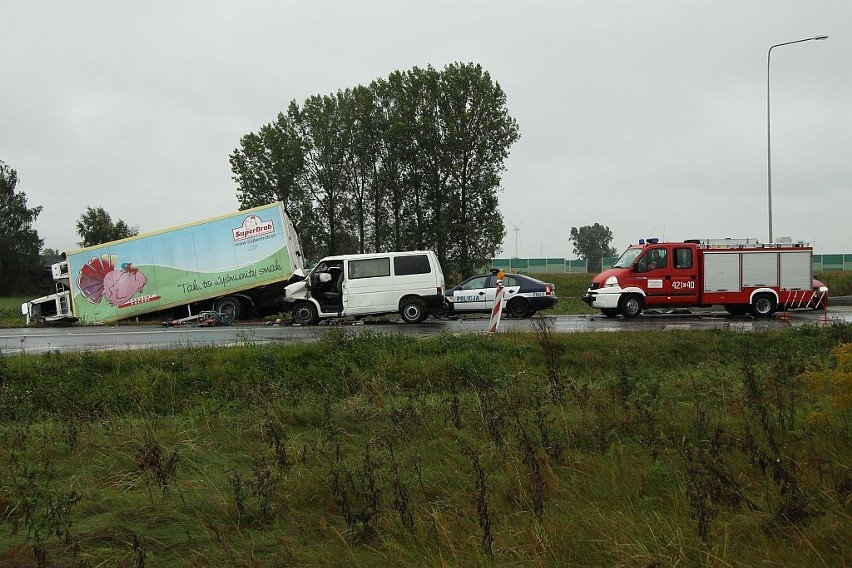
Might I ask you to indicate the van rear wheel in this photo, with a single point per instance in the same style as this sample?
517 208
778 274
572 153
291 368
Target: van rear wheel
412 310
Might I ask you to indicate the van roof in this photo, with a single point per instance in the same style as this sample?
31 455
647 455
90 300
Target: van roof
375 255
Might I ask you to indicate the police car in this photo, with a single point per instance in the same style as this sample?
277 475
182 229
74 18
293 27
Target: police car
523 295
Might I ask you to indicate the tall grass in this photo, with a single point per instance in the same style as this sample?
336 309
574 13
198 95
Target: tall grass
662 448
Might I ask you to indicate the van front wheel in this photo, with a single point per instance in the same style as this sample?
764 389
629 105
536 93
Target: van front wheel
412 310
304 313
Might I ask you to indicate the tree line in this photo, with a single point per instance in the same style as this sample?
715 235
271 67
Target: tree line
20 244
22 268
412 161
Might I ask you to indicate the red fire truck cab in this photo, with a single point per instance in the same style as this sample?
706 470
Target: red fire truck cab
742 275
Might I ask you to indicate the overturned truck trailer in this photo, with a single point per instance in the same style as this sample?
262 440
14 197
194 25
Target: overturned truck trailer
234 264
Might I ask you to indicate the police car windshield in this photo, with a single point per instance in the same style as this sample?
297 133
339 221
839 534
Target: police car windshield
627 257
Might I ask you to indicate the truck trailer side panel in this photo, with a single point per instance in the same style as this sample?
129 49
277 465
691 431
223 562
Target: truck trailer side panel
186 264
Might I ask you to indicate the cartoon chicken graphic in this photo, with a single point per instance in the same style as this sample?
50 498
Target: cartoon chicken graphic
101 278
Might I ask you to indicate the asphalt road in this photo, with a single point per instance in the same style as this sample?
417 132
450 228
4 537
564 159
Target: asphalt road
126 337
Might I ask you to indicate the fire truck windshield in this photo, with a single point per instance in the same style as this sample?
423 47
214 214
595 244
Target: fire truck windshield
627 257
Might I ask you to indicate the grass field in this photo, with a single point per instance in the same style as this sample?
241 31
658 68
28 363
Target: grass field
10 311
539 449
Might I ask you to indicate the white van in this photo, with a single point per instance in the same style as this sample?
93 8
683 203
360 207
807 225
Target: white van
410 283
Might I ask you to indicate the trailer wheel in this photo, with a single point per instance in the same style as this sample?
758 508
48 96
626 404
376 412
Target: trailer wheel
229 307
305 313
412 310
630 306
609 312
763 306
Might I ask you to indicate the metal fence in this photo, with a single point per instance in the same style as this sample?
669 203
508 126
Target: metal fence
832 262
562 265
539 265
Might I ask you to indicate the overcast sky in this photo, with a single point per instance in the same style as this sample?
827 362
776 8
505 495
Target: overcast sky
646 116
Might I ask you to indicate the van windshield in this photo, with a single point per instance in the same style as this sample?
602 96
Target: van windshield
627 257
324 265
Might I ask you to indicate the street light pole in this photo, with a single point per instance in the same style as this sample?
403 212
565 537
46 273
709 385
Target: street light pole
768 124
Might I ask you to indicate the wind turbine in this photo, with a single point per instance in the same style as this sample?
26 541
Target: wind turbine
517 231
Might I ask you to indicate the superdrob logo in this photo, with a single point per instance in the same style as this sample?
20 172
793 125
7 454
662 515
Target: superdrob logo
253 226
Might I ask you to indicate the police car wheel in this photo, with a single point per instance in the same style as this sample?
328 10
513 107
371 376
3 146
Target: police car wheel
518 308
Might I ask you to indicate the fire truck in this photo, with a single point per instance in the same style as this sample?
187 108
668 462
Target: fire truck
742 275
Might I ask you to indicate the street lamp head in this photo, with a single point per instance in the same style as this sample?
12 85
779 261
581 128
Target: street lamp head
821 37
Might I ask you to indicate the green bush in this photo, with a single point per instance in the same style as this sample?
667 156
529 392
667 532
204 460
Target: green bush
839 282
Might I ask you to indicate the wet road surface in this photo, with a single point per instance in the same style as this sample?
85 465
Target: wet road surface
126 337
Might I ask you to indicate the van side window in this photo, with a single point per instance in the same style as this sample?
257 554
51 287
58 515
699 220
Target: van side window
369 268
414 264
683 258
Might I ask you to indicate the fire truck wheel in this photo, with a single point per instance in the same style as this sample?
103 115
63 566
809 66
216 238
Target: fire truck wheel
305 313
763 305
630 306
609 312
